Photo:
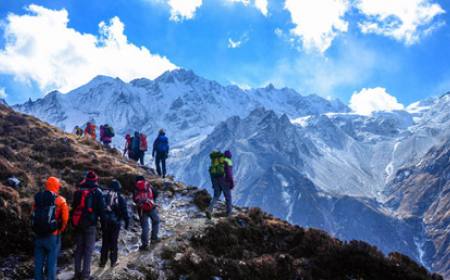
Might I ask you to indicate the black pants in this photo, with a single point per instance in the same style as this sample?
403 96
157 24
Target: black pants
141 157
161 164
110 237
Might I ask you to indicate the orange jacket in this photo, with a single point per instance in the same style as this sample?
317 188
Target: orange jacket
62 213
62 209
90 131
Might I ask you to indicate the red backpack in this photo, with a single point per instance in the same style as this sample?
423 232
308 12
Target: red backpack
144 196
85 209
143 146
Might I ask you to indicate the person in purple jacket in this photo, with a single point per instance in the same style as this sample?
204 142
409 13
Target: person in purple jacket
223 184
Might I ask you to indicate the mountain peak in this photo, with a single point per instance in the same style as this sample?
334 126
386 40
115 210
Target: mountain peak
179 74
270 86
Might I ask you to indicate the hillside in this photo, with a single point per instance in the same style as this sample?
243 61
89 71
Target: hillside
422 192
250 245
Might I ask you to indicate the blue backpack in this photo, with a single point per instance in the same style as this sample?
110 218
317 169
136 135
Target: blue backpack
135 144
162 145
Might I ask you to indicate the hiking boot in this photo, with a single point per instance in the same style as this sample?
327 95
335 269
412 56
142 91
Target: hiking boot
114 264
208 214
102 264
143 248
155 240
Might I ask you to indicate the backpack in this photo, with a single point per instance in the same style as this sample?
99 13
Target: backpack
143 146
83 214
109 131
112 204
144 196
162 146
43 219
217 168
135 144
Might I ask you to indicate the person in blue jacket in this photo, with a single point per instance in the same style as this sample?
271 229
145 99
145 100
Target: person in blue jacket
161 151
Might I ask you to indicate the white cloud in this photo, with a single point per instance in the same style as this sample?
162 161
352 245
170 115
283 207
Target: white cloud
244 2
403 20
41 47
317 22
370 100
3 93
233 44
183 9
262 6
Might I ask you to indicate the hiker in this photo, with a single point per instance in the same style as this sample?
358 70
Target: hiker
135 149
145 197
106 134
161 150
89 131
88 206
116 211
221 172
49 220
143 147
127 148
78 131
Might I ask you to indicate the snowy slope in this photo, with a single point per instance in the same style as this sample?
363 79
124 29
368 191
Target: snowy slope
180 101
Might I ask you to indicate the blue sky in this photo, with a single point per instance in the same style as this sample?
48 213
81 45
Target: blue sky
333 48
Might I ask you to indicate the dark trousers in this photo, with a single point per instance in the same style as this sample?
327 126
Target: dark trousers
160 162
219 186
85 243
110 236
154 216
46 251
141 157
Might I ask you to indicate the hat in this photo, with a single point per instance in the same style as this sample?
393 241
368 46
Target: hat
115 185
227 154
53 184
140 178
91 176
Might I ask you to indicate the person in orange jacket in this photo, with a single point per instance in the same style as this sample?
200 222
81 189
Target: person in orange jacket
49 220
89 131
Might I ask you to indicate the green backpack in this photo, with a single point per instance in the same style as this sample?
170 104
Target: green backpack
217 168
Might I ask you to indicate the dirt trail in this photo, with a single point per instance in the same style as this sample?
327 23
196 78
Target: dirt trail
180 220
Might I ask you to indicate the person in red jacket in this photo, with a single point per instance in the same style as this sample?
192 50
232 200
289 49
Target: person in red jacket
48 243
89 131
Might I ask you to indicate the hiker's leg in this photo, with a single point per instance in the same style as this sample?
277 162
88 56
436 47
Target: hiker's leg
145 229
154 215
39 258
79 250
217 192
113 245
141 157
228 201
163 163
53 243
158 164
90 234
105 244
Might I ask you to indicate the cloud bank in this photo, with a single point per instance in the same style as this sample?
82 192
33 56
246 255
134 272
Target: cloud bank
40 47
370 100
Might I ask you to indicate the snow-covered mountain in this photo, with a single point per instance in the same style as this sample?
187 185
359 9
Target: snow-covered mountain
180 101
303 158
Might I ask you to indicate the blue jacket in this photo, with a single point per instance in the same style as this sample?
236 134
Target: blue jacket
161 145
